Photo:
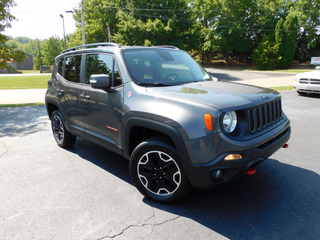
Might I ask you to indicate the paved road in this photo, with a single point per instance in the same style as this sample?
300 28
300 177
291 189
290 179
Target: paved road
85 192
22 96
256 78
263 79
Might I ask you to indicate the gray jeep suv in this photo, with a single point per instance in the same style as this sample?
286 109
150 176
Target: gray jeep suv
156 107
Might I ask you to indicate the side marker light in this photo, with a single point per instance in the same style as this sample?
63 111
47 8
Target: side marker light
208 121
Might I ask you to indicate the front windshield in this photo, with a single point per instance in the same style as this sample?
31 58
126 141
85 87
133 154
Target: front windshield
163 67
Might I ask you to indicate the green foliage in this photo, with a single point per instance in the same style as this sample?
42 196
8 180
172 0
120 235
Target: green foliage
226 26
52 47
7 53
235 28
22 40
266 54
265 31
98 15
31 47
136 22
5 16
14 44
276 51
288 41
136 32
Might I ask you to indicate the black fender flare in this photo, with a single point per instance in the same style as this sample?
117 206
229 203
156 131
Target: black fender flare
49 101
161 127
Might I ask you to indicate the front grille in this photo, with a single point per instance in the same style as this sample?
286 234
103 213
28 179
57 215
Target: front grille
314 81
309 81
264 115
304 80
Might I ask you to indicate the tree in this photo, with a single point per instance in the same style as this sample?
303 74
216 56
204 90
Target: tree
277 50
98 16
22 40
51 48
234 28
156 23
14 44
286 38
227 26
7 53
266 54
136 22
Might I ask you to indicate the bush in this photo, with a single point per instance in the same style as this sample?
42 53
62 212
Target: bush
266 54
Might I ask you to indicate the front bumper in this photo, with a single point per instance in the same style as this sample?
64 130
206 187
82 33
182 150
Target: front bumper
201 175
306 88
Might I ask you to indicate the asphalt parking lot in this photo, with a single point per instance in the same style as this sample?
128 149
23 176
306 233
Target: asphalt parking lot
85 192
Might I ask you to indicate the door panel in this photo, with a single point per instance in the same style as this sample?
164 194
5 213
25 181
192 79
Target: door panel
68 92
103 110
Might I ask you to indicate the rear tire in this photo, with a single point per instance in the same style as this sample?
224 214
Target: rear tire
157 172
62 136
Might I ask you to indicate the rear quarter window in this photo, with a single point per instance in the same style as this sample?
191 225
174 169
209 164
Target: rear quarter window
60 66
72 68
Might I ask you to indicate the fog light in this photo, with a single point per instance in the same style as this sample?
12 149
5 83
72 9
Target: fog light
233 157
217 175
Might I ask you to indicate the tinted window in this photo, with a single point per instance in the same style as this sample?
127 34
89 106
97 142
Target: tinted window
98 64
117 79
72 68
60 66
102 64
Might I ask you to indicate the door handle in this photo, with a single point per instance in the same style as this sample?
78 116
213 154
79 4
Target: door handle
84 96
60 92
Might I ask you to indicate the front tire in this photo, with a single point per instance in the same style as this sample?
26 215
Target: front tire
301 93
156 171
62 136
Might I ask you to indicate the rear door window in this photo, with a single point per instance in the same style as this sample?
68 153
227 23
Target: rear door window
72 68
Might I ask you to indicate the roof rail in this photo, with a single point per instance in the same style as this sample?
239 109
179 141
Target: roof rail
166 46
103 44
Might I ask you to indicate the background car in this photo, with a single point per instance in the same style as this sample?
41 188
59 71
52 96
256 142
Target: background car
308 82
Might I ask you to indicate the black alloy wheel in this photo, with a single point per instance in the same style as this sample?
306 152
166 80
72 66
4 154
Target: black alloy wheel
62 136
157 173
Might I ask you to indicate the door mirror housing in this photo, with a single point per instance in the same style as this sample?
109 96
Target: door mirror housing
100 81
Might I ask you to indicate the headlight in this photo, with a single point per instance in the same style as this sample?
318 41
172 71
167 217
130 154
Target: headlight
230 121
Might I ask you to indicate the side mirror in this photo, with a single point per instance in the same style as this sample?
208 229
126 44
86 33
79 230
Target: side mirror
317 67
100 81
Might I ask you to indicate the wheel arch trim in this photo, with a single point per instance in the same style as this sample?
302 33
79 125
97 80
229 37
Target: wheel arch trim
157 126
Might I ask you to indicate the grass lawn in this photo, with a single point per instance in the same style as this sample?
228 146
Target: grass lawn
282 88
24 82
291 70
21 105
30 71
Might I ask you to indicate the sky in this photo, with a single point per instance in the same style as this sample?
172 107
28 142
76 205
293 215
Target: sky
40 19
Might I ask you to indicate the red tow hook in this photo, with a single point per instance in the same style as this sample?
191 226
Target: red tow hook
251 171
285 146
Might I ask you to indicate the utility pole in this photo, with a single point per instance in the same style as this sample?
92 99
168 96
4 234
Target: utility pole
109 35
82 23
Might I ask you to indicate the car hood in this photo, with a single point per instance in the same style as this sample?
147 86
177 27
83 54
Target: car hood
220 95
313 74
